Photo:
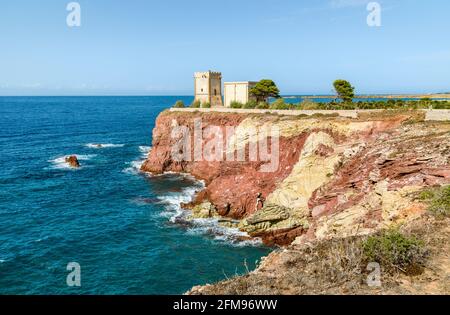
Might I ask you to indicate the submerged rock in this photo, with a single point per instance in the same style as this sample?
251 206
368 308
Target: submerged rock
73 161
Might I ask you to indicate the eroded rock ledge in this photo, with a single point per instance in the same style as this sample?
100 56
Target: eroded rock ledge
337 177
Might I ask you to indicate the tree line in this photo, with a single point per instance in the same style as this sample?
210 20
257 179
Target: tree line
266 95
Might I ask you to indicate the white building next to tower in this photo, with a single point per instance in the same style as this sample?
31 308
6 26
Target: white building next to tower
238 92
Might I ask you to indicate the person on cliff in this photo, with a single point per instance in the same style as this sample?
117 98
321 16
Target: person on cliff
259 201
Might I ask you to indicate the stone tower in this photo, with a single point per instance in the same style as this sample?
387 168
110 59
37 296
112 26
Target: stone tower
208 88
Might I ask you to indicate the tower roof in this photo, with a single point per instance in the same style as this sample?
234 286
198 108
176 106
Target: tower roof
208 73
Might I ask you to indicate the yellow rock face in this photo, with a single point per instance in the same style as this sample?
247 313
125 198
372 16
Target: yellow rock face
396 208
292 195
254 129
287 206
308 174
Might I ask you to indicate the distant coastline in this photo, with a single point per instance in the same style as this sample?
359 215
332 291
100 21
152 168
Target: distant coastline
377 96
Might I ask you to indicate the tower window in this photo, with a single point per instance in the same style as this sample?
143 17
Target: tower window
215 91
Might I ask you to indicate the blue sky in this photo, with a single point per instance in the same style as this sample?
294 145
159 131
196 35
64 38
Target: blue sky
153 47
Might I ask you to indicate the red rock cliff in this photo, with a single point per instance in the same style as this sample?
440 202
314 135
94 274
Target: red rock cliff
326 167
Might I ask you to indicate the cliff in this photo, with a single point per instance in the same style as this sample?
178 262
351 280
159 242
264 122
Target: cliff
338 186
335 176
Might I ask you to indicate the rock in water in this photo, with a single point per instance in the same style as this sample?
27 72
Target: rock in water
73 161
204 211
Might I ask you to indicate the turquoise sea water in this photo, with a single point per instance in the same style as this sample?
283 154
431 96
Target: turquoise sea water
124 228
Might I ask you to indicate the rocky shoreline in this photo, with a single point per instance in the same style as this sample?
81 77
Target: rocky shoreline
337 177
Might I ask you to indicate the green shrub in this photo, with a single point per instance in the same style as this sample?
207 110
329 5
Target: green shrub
441 105
277 104
321 115
196 104
307 104
236 104
439 201
206 105
280 104
393 250
426 195
250 104
347 106
262 105
179 104
400 103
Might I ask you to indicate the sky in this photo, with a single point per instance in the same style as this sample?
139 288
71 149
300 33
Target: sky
150 47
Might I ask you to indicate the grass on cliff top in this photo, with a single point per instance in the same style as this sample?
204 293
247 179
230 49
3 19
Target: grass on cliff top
438 200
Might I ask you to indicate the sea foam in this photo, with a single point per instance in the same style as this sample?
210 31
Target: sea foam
103 145
173 212
211 227
134 167
145 149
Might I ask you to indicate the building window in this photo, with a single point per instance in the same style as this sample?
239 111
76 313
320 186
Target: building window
202 90
215 91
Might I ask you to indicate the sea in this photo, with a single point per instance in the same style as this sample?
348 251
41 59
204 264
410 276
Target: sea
110 227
